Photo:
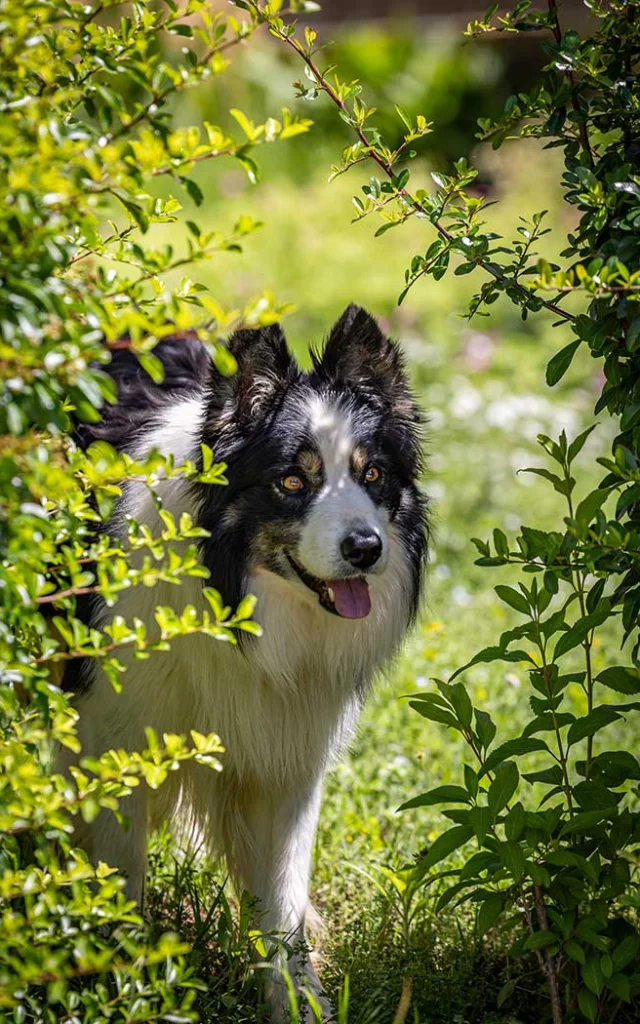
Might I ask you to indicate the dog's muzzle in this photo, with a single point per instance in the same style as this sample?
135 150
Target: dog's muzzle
349 598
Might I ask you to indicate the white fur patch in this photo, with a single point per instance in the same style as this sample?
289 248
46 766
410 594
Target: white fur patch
343 505
178 433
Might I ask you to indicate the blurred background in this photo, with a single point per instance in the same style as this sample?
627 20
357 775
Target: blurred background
481 384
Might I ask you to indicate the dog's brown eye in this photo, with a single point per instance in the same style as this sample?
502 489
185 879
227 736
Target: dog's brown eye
372 474
292 483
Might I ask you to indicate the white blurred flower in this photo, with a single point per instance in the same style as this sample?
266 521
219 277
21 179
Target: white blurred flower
478 350
400 761
461 596
435 419
442 572
465 400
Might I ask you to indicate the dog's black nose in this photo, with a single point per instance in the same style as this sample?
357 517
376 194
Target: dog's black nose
362 550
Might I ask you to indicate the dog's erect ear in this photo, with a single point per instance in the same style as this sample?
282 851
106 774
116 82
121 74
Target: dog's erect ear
359 354
265 369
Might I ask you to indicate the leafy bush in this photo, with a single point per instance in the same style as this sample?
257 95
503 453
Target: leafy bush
557 877
85 136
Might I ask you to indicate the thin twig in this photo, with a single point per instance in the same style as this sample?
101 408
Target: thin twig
575 97
385 166
550 965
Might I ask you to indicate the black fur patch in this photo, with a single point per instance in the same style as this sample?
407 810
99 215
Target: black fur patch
186 365
254 422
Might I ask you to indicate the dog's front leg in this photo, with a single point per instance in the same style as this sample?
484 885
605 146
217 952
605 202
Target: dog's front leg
273 860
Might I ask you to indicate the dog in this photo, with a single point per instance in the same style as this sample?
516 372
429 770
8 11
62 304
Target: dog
323 521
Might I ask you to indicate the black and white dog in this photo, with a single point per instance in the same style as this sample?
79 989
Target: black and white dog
323 522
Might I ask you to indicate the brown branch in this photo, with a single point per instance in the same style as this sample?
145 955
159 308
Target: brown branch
71 592
575 98
209 155
549 961
158 98
603 289
385 166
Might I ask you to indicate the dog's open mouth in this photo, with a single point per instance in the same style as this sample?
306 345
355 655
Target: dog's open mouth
348 598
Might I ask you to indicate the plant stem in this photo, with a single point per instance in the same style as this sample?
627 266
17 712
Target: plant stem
549 961
385 165
575 97
561 751
405 1000
578 584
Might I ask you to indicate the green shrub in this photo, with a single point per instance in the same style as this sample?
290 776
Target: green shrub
85 136
556 875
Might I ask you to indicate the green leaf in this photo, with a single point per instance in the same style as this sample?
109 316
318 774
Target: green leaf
445 845
561 362
590 724
194 190
490 654
488 913
246 607
508 988
540 940
625 952
512 856
581 629
619 984
616 767
440 795
549 776
592 975
575 951
584 822
250 166
434 713
620 678
459 700
503 786
578 442
589 506
559 485
515 821
153 366
589 1004
513 598
404 117
512 748
247 127
481 820
485 729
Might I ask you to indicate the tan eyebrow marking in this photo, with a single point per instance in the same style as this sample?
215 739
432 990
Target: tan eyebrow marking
359 459
310 462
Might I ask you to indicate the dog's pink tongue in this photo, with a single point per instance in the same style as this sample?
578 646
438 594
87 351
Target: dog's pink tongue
351 598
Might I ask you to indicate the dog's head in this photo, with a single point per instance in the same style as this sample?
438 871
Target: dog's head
322 465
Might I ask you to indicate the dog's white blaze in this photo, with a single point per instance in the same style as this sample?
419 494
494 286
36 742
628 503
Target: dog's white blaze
343 505
283 707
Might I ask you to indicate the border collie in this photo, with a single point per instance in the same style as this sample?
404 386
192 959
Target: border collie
322 521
